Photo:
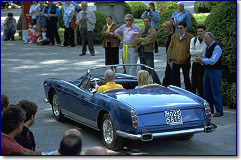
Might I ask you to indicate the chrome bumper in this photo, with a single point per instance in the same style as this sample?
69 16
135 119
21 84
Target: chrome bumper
150 136
46 100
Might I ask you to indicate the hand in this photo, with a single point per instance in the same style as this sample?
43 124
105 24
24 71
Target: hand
86 18
111 32
80 20
194 48
198 59
45 15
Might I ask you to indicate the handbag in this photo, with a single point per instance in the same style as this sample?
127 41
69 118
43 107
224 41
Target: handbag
73 24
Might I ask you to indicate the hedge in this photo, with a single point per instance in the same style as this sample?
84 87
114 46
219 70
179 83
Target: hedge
137 8
161 35
222 23
204 6
127 9
166 4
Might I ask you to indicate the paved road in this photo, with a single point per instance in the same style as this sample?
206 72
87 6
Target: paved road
24 67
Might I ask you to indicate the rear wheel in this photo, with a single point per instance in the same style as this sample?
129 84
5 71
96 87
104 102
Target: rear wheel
56 108
108 134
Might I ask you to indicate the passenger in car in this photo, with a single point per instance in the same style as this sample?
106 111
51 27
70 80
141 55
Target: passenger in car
143 78
109 79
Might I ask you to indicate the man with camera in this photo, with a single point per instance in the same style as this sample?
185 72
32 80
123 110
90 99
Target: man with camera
154 15
9 25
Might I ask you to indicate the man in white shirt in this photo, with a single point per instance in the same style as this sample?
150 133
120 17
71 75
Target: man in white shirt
197 48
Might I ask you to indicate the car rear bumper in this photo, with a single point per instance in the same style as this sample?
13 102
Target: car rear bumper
150 136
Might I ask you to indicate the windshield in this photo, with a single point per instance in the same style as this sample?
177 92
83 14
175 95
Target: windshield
95 77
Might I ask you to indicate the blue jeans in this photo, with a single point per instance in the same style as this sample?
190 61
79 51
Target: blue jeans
147 58
212 89
7 34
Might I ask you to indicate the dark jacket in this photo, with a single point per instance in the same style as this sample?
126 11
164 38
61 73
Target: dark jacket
26 139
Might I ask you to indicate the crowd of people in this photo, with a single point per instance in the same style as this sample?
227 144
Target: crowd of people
182 48
18 139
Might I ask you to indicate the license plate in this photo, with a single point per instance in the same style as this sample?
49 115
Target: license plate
173 117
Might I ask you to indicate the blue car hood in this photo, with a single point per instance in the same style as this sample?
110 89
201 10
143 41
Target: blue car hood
155 100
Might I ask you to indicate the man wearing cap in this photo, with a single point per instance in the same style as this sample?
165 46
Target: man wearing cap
9 25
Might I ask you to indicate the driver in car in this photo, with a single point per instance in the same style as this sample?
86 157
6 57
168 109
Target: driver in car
109 79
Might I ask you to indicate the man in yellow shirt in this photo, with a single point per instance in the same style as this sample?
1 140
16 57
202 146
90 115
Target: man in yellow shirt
109 79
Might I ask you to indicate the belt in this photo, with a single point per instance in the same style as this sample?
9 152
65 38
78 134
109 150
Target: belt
126 46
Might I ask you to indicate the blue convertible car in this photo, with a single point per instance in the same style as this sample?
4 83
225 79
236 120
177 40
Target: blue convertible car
139 114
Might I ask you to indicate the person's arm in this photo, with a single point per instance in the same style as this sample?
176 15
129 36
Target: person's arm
215 57
143 15
155 16
92 19
57 13
150 38
138 38
31 10
79 18
196 51
14 24
118 33
103 32
169 51
188 16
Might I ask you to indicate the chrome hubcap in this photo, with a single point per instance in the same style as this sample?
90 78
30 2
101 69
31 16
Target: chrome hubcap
56 109
108 131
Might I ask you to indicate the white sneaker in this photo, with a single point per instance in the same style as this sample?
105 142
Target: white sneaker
25 42
30 42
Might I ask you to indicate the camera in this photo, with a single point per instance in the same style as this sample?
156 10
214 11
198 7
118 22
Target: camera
148 10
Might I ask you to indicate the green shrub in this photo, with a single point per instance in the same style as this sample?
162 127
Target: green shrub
60 19
229 94
224 30
161 35
222 23
100 22
166 4
137 8
19 26
204 6
127 9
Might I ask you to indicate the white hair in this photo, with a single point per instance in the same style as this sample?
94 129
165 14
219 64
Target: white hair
84 3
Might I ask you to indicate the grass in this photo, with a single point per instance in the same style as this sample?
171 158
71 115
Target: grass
140 23
201 17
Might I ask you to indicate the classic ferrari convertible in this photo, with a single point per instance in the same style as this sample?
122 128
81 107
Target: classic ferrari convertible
138 114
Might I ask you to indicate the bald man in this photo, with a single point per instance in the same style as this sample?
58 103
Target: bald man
96 150
66 133
109 79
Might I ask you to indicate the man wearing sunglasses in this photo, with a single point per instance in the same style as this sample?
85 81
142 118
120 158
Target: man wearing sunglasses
126 33
179 53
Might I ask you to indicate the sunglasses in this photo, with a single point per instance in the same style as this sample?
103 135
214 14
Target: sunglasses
128 20
179 28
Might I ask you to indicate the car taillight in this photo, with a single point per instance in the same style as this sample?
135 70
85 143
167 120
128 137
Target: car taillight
207 110
134 118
